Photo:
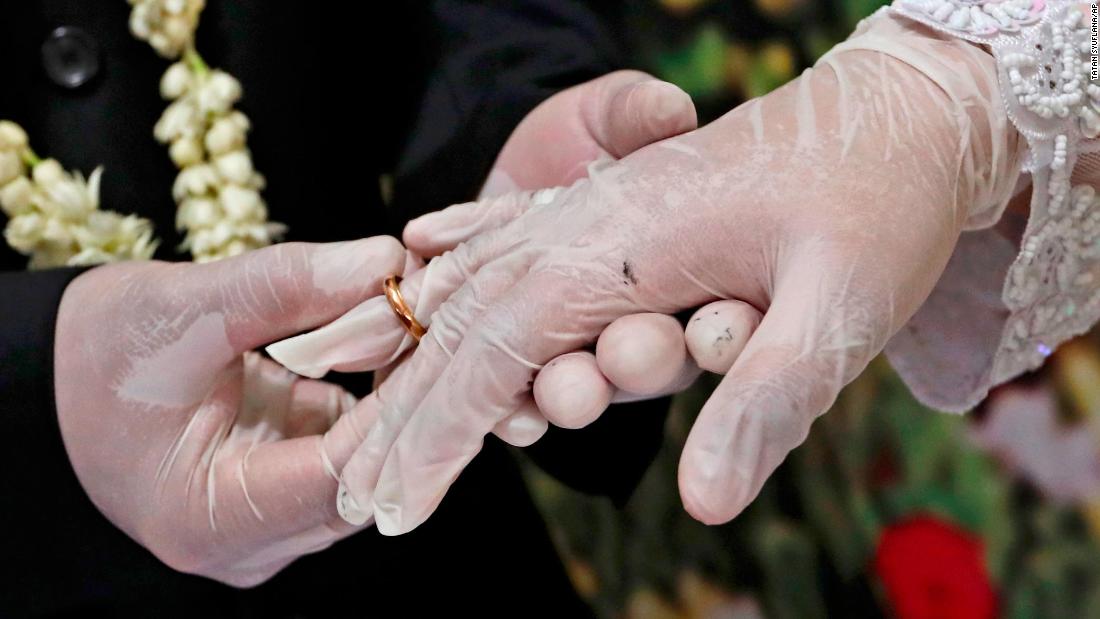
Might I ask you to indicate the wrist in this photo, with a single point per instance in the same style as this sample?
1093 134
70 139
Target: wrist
87 336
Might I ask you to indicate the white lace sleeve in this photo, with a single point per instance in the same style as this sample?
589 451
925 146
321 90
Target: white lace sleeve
966 340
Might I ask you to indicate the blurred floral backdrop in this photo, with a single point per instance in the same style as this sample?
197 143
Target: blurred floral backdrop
889 509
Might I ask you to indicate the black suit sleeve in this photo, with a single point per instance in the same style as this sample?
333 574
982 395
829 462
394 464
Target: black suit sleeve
38 487
494 62
28 307
489 63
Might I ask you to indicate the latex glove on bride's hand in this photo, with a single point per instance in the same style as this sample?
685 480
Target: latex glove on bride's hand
217 460
602 119
833 203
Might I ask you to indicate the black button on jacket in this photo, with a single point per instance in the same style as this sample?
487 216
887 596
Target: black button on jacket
339 94
70 57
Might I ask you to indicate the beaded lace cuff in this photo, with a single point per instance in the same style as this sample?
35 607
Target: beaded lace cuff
1043 54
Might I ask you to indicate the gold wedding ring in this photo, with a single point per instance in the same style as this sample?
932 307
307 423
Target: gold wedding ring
401 309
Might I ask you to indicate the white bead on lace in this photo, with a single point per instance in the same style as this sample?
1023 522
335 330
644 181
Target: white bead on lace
975 18
1043 54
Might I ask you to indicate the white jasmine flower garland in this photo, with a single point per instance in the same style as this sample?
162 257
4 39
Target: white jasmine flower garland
218 189
168 25
54 216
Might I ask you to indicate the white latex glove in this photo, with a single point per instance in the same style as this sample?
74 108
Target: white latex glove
833 202
217 460
605 118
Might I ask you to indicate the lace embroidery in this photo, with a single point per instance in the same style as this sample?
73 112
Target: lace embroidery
1042 50
976 18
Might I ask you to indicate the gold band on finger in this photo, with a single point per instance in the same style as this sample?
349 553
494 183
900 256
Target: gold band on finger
401 309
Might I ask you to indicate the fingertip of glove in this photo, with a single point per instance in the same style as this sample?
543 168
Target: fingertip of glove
387 519
700 507
668 102
711 492
343 267
384 249
281 352
418 234
348 508
522 430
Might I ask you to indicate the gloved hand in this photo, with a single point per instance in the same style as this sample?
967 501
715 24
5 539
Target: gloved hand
639 356
217 460
602 119
833 202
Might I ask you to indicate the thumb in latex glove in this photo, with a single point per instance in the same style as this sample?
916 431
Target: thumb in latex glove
833 203
217 460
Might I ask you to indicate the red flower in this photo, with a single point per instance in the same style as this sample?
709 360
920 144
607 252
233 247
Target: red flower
934 570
